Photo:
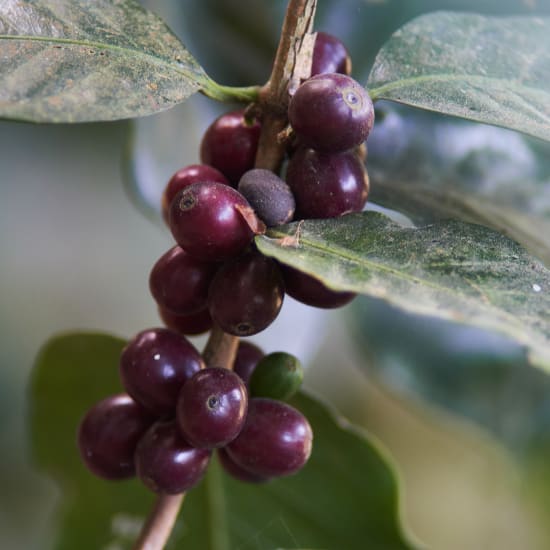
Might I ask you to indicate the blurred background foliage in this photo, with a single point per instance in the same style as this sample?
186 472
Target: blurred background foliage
465 418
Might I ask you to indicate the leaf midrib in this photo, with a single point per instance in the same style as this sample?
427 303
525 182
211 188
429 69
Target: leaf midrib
172 65
378 92
341 252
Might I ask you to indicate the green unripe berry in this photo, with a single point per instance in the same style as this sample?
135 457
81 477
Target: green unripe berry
278 375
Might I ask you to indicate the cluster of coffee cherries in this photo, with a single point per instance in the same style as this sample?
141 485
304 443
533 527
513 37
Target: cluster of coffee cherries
177 411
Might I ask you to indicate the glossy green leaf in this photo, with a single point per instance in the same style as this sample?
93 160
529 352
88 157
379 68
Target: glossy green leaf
318 508
489 69
452 270
74 61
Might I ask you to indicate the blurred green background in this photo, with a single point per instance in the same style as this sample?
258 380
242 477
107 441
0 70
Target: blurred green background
463 416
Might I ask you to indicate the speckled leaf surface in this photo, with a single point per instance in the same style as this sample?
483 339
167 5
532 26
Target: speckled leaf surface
489 69
421 202
75 61
452 270
317 508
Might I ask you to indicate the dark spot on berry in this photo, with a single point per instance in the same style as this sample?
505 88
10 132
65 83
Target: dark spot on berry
187 201
213 402
244 328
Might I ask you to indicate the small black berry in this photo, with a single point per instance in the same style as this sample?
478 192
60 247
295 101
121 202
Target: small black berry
269 196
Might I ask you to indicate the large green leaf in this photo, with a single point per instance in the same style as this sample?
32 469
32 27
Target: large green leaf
479 375
71 61
453 270
432 168
489 69
346 497
424 202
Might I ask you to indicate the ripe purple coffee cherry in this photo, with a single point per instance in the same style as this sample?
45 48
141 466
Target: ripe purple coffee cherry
166 463
179 282
246 360
212 221
193 173
155 365
326 185
276 439
212 407
230 144
329 56
246 294
311 291
331 112
108 436
190 325
236 471
269 196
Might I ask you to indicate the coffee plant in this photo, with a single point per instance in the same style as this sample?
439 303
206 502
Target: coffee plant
279 203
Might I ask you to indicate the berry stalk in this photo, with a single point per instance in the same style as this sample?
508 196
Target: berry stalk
293 53
292 61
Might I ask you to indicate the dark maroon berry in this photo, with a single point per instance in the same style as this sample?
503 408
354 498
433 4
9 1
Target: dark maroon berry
166 463
179 282
246 360
230 144
275 441
269 196
108 436
212 408
311 291
190 325
155 365
246 294
331 112
193 173
211 221
236 471
326 185
329 56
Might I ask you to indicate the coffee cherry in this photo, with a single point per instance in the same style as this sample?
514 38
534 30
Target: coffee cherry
327 185
246 360
193 173
211 221
166 463
331 112
108 436
275 441
211 409
269 196
236 471
230 144
191 325
246 294
179 282
155 365
278 375
329 56
311 291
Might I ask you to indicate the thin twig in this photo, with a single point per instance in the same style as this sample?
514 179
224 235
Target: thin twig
158 527
294 52
220 350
